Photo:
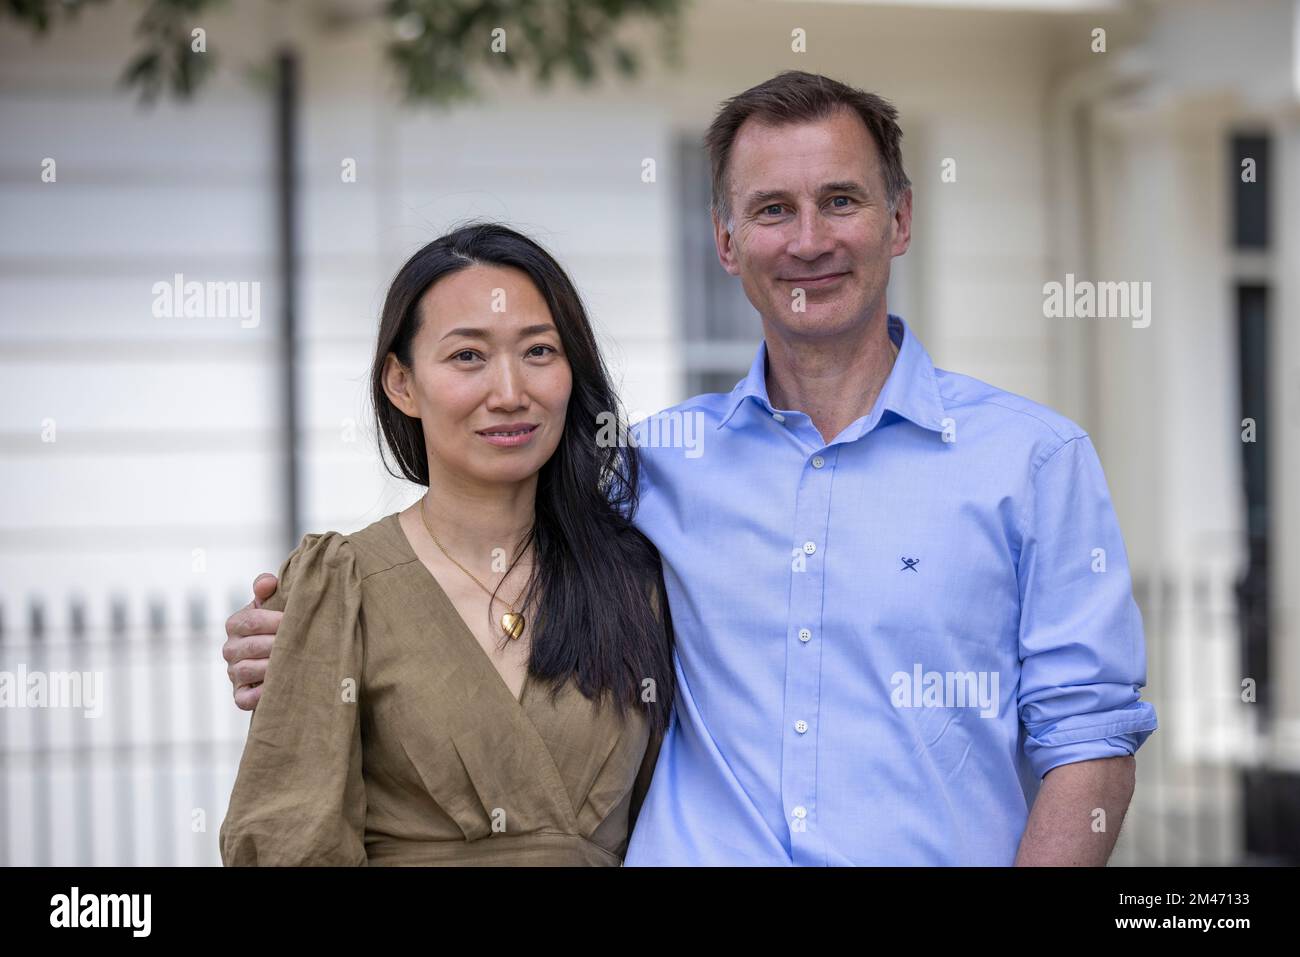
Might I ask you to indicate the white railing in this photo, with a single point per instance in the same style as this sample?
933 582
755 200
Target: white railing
131 761
146 780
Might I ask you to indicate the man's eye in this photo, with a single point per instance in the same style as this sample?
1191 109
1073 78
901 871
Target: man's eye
773 210
845 198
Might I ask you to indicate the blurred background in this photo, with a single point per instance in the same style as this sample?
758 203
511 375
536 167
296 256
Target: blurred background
287 156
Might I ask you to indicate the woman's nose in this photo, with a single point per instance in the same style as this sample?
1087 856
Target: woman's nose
507 390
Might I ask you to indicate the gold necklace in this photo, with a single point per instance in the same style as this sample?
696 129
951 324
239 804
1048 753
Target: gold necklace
511 623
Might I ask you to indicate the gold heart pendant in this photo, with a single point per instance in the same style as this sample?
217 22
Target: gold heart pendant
512 625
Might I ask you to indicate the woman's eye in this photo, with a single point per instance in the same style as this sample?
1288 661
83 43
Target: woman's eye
465 352
533 351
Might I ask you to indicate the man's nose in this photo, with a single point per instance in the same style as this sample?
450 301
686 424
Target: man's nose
812 236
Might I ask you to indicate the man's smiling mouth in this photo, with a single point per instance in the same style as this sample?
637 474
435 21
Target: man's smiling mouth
812 280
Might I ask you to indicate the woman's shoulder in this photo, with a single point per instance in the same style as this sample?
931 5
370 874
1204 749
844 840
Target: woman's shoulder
339 559
379 546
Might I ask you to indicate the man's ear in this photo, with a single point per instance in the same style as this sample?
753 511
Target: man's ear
397 386
902 224
726 248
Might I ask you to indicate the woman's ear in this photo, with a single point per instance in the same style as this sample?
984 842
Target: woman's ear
398 386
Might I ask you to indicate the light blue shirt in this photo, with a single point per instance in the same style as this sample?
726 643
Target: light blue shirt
884 641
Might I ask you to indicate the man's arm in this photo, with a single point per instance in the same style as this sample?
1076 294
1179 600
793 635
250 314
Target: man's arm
249 634
1082 662
1067 826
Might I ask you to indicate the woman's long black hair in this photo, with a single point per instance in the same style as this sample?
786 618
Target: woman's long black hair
599 612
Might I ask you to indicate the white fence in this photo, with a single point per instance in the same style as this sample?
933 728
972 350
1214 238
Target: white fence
146 779
134 768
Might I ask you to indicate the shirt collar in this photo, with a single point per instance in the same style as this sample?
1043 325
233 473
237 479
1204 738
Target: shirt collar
911 389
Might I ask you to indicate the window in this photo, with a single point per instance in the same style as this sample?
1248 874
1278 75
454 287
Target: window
720 328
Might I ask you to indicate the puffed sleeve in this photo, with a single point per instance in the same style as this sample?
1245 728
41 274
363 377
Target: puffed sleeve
299 798
1082 650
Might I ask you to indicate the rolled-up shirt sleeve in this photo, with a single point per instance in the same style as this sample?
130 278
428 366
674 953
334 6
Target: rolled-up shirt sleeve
299 796
1082 650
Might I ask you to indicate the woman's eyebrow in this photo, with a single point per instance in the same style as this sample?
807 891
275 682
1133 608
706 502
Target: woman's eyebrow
536 330
473 333
467 332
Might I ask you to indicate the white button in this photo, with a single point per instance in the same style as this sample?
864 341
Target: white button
818 461
778 416
809 548
801 726
800 811
805 634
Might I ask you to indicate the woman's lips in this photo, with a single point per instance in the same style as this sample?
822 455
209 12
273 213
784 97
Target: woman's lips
509 436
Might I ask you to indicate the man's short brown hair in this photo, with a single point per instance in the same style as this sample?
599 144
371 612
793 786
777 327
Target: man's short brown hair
795 97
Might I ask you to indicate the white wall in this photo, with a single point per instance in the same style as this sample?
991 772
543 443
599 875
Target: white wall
167 435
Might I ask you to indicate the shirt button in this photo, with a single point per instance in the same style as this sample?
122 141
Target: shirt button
818 461
805 634
778 416
801 726
809 548
800 811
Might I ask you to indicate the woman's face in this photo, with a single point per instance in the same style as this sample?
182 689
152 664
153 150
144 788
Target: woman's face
489 380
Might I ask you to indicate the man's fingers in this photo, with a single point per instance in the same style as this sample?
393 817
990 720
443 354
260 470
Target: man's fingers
264 586
250 633
250 621
250 671
246 697
254 646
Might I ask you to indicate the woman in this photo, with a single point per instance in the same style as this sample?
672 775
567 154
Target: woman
484 677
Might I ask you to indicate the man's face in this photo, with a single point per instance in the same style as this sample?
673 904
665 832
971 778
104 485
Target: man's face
808 213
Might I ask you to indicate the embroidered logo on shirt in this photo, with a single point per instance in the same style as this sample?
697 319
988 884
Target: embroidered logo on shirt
910 563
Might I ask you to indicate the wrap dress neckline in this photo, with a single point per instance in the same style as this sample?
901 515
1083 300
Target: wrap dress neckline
435 761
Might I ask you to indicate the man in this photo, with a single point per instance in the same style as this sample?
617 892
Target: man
904 621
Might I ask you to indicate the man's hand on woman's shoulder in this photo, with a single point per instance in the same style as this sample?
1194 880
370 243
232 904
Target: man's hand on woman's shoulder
249 634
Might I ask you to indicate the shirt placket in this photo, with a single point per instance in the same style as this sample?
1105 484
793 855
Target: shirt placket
804 639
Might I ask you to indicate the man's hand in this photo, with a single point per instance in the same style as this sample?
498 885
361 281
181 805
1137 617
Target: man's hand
249 634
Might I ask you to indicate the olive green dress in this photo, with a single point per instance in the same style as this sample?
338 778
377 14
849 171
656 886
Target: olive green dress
385 735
